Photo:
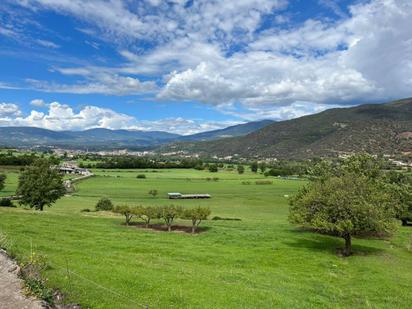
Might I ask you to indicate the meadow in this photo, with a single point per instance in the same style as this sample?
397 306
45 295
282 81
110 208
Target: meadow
259 261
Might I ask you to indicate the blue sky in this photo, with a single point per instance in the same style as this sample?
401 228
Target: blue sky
187 66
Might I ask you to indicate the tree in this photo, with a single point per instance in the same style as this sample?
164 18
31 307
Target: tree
254 167
350 201
104 204
153 192
148 213
169 213
40 185
126 211
400 185
213 168
262 167
240 169
2 181
196 215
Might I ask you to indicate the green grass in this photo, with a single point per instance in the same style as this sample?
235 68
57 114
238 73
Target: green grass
259 262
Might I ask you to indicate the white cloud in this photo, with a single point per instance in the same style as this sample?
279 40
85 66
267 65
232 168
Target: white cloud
47 44
364 56
38 103
309 64
63 117
97 82
9 110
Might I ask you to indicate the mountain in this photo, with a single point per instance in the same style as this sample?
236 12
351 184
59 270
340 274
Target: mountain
98 138
374 128
92 139
232 131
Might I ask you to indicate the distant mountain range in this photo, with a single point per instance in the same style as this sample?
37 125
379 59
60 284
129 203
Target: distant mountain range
373 128
96 139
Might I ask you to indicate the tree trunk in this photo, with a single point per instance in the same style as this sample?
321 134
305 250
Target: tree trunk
193 229
348 245
41 207
404 222
169 228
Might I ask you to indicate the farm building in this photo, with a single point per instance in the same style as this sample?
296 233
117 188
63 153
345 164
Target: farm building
176 195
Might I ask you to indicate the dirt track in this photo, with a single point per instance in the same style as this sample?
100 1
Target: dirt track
11 293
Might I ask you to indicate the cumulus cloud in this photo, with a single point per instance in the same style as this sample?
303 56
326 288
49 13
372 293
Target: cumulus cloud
63 117
365 56
9 110
216 52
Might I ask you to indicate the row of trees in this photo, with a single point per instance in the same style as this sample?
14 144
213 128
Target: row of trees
167 213
355 197
11 159
130 162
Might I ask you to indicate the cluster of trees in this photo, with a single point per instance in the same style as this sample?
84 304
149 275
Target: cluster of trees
126 162
11 159
167 213
2 181
354 197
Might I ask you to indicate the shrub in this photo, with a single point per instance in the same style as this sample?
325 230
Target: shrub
215 179
6 202
196 215
246 183
153 192
85 210
240 169
213 168
141 176
104 204
263 182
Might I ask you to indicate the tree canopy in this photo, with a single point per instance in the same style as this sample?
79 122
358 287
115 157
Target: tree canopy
2 181
40 185
348 199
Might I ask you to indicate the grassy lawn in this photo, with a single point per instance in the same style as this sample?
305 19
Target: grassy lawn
259 262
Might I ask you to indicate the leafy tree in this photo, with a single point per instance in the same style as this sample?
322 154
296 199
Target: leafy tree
148 213
196 215
262 167
169 213
351 200
40 185
213 168
254 167
240 169
400 185
2 181
153 192
104 204
126 211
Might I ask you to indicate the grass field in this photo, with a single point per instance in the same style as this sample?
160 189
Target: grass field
259 262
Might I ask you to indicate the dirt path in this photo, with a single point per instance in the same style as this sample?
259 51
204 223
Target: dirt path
11 293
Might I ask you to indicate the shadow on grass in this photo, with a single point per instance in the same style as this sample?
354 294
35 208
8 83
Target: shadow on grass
175 228
332 244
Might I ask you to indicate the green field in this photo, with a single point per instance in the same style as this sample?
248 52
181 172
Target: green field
259 262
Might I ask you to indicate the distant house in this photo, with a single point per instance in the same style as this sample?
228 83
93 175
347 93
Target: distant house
176 195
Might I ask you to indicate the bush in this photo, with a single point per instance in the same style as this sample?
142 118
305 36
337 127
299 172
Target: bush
85 210
104 204
153 192
213 168
246 183
141 176
6 202
263 182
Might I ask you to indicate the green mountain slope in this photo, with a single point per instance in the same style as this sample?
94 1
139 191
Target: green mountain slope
374 128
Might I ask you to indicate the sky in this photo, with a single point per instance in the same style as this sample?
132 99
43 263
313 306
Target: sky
186 66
